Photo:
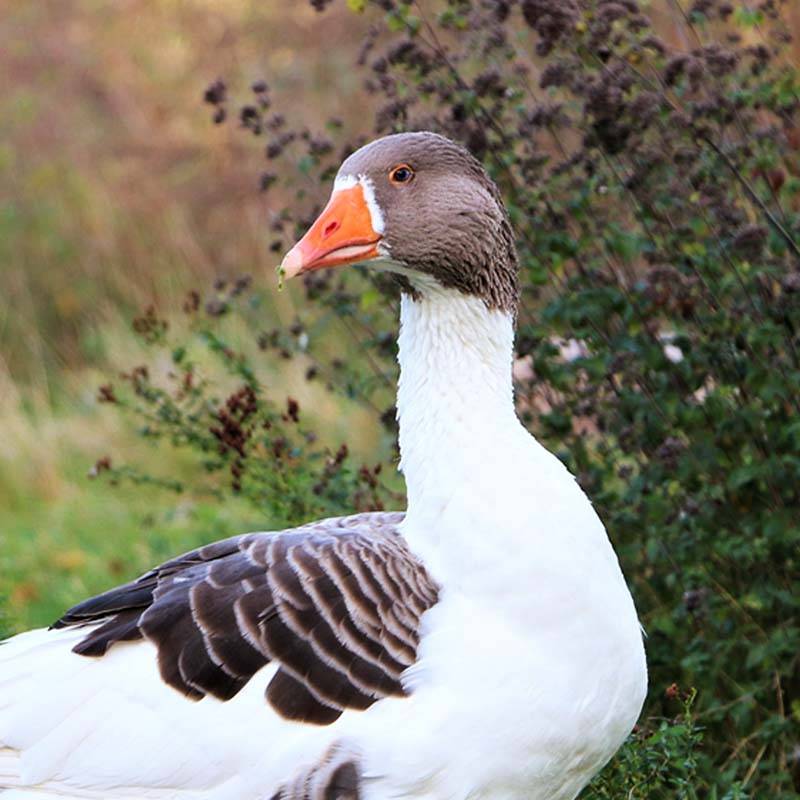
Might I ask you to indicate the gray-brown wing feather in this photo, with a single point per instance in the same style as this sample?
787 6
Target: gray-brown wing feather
337 604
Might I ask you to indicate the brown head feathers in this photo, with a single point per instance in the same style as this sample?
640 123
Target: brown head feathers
442 214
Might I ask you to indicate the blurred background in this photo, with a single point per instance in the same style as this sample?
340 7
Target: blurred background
117 191
652 171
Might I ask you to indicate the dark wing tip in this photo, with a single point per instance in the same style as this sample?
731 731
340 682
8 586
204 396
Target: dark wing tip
136 595
123 627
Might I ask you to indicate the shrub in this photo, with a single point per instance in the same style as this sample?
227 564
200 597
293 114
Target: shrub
659 761
654 192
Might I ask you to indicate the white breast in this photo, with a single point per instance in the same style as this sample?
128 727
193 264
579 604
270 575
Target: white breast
532 668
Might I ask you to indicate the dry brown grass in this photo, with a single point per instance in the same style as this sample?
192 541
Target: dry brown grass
117 190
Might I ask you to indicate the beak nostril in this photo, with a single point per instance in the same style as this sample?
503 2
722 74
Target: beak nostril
343 233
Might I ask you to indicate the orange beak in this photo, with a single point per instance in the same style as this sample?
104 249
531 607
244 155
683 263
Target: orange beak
342 234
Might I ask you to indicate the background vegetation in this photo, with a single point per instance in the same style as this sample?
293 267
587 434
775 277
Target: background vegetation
649 157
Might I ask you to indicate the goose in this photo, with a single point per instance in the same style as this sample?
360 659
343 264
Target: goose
482 645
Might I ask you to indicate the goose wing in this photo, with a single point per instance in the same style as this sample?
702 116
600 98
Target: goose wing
335 604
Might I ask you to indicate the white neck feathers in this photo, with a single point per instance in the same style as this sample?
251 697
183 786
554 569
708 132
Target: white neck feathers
455 399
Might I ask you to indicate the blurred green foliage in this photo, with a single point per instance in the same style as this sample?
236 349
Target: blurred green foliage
656 763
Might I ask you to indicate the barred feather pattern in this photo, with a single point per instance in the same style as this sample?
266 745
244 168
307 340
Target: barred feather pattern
336 603
335 777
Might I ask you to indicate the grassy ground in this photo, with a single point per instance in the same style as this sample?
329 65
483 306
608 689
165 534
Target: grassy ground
116 191
64 536
55 554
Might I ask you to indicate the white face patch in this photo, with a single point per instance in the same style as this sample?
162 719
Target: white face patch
375 213
344 182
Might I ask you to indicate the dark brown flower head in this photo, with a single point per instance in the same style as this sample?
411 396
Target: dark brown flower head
216 93
551 19
749 242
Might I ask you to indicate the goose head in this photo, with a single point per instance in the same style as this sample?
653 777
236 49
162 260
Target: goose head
421 206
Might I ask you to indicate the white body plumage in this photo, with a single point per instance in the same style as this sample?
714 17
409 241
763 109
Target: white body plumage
531 668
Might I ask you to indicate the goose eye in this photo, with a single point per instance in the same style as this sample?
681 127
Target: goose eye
401 174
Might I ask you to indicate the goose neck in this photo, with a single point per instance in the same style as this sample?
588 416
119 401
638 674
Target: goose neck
455 396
